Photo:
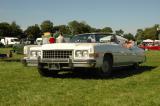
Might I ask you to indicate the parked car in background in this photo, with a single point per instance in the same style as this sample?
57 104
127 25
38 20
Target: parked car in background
10 41
88 51
19 48
32 53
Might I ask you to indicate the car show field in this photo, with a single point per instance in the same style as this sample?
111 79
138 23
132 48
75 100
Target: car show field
21 85
79 53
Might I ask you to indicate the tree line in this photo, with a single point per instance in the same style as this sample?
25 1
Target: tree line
72 28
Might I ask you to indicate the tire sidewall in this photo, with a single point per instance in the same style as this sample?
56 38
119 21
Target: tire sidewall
106 68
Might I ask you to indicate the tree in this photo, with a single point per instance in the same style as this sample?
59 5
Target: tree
147 33
84 27
79 27
10 30
5 29
33 32
62 28
96 30
139 35
74 27
47 26
107 30
129 36
119 32
150 33
15 30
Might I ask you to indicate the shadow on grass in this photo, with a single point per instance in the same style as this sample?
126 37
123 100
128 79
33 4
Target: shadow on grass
128 71
94 74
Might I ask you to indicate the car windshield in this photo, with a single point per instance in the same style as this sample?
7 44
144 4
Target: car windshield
88 38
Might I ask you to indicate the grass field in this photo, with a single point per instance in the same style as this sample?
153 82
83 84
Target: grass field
23 86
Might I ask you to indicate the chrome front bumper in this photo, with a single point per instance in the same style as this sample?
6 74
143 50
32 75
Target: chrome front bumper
30 62
69 63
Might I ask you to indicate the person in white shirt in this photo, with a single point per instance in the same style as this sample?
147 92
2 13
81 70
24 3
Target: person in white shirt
60 38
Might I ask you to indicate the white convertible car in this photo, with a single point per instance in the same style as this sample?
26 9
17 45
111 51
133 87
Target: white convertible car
92 50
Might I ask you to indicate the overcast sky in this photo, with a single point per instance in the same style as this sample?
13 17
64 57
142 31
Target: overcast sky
128 15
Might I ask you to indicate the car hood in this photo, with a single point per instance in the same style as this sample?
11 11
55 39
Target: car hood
67 46
27 48
36 48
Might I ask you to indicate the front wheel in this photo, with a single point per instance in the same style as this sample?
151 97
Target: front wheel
106 68
135 66
24 62
45 72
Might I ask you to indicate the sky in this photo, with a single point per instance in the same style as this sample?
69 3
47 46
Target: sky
128 15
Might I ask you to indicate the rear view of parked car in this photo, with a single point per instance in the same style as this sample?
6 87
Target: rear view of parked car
10 41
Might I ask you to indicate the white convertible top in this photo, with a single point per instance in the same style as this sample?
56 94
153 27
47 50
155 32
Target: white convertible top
121 39
108 38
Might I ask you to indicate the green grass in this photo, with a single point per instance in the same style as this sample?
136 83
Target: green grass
23 86
15 57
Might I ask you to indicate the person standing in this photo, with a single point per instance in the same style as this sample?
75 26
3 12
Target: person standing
128 44
51 39
60 38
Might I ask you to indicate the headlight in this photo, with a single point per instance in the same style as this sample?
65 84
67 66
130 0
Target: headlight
33 54
78 53
39 53
85 53
81 53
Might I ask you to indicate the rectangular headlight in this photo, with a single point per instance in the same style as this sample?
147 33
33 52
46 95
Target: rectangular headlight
85 53
38 53
33 54
81 53
78 53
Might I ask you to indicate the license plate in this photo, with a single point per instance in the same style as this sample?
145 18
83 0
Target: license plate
55 66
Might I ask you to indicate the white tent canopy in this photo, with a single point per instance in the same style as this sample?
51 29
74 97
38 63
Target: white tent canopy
108 38
148 40
156 40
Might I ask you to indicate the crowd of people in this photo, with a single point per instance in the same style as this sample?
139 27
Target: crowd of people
52 39
128 44
60 39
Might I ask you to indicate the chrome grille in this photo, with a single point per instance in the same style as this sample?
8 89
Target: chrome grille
57 54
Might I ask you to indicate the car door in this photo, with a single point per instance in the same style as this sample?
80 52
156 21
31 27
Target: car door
137 54
121 55
127 55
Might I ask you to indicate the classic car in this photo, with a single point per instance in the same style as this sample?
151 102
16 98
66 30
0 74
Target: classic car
32 53
19 48
89 50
